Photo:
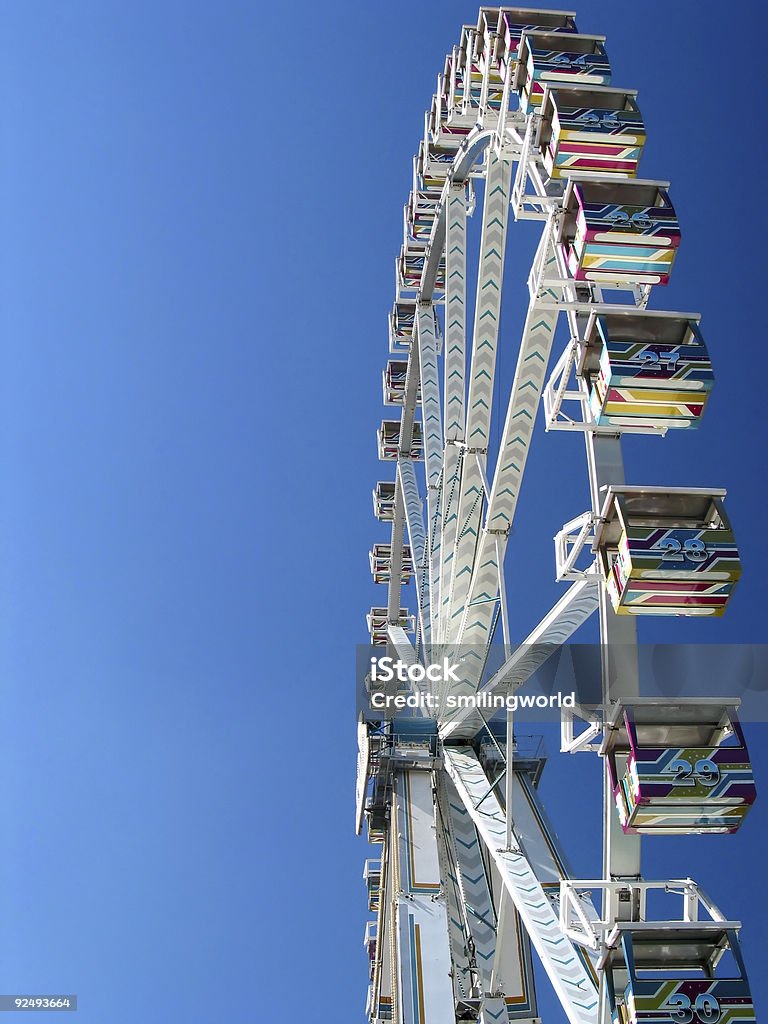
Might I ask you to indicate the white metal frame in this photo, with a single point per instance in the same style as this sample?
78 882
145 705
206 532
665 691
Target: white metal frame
600 933
463 539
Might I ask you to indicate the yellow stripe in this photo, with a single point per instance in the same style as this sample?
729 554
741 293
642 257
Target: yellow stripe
588 259
419 975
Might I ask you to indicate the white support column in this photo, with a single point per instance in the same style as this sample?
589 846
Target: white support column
382 989
565 965
618 638
398 518
425 988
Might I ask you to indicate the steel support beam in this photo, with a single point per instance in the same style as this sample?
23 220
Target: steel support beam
563 962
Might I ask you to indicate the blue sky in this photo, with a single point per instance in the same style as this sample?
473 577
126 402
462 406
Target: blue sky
201 205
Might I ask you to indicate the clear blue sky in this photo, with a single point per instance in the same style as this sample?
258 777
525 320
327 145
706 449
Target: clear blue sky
201 205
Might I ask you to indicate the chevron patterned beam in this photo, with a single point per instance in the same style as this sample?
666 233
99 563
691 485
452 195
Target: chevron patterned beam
472 880
527 386
433 445
481 378
409 487
455 384
449 517
405 651
573 609
464 974
561 960
455 314
480 568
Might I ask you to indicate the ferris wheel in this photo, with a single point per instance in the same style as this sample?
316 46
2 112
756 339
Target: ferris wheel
472 885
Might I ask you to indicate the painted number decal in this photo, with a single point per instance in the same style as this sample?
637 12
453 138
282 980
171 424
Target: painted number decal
706 1009
704 771
672 550
652 360
605 120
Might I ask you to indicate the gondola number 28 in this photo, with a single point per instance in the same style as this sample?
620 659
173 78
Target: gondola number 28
673 550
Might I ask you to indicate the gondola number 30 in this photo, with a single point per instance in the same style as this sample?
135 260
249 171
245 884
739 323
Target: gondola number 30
706 1008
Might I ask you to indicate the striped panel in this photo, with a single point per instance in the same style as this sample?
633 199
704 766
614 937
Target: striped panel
630 225
593 139
682 822
425 989
677 367
595 125
583 157
655 597
531 96
512 34
678 554
661 1002
419 867
653 773
676 571
609 263
552 66
384 1011
684 790
641 381
568 62
635 406
609 256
